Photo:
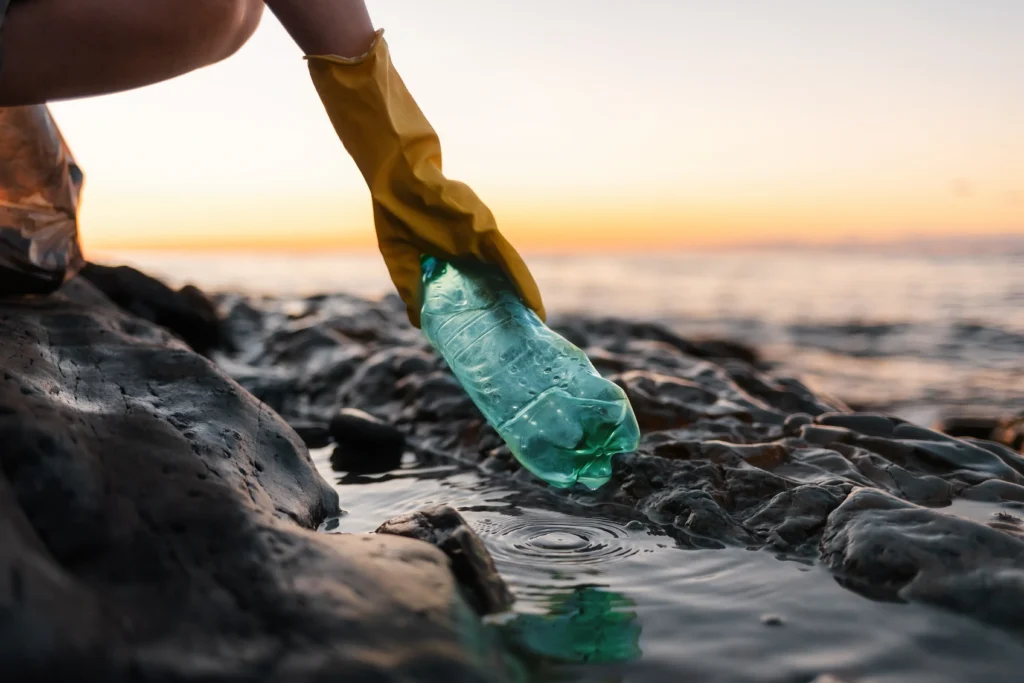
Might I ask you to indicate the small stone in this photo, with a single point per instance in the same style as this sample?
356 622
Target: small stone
313 434
474 569
365 445
794 422
772 620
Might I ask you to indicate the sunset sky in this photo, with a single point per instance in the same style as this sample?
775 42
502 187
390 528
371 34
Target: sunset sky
598 124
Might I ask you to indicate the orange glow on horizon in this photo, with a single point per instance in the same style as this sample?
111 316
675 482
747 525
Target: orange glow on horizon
345 224
799 122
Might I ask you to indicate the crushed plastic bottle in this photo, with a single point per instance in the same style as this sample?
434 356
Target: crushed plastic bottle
39 191
559 417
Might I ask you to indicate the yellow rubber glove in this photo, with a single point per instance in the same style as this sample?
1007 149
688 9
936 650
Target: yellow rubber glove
416 209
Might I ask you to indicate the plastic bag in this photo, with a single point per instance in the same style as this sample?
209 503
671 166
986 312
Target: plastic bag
40 186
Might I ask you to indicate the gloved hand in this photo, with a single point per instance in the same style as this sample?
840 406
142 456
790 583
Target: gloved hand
416 209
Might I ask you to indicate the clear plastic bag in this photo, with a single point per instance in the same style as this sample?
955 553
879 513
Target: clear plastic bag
40 184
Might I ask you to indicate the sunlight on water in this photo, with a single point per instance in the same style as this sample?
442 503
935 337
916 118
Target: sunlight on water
912 333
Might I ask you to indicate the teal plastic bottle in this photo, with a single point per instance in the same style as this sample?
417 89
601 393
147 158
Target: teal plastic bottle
559 417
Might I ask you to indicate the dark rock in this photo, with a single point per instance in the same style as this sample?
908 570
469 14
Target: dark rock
618 334
698 515
374 384
782 394
157 525
886 547
867 424
995 491
472 565
1006 431
188 313
730 454
794 422
992 594
275 387
974 427
725 349
364 444
793 517
313 434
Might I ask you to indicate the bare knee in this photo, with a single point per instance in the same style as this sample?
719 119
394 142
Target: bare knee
208 31
186 33
57 49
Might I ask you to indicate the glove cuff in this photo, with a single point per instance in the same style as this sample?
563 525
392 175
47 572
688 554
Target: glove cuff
374 49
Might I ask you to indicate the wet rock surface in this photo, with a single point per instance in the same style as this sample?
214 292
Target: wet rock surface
156 523
731 454
364 444
443 527
187 312
1008 431
892 549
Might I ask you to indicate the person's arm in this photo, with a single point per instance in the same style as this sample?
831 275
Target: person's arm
326 27
417 210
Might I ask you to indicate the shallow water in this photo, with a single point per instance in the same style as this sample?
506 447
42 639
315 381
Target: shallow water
601 596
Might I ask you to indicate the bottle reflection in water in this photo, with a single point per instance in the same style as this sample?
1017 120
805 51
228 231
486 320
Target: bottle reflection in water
587 625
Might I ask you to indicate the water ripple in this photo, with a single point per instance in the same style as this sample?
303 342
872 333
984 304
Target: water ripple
558 540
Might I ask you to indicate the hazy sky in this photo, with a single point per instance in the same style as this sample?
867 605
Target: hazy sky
640 123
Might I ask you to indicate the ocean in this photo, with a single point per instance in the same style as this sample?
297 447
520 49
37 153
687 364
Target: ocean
920 331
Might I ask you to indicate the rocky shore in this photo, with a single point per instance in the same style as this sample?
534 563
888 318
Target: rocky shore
158 524
160 505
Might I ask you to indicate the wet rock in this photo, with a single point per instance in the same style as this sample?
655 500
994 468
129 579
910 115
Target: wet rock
617 335
995 491
698 515
794 517
726 349
188 313
313 434
1008 431
795 422
992 594
890 548
444 527
974 427
782 394
662 402
868 424
157 525
364 444
375 382
730 454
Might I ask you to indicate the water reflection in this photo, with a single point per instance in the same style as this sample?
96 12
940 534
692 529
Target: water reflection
702 612
587 624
